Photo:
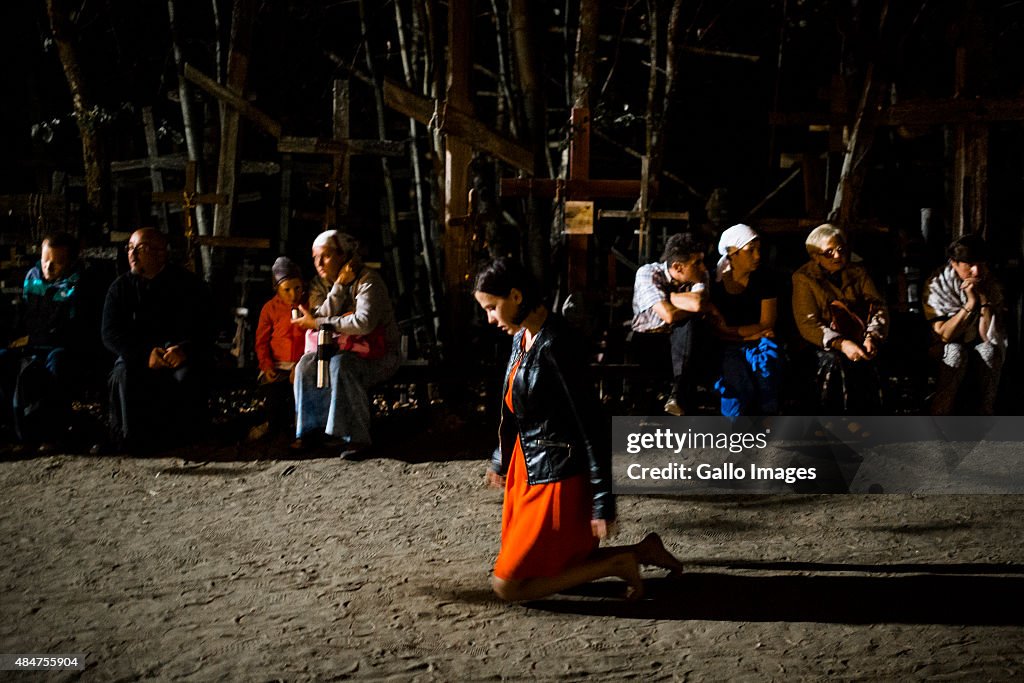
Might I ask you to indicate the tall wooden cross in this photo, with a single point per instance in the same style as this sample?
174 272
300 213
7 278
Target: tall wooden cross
579 186
189 199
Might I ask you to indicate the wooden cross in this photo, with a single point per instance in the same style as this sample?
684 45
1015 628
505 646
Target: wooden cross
579 186
189 199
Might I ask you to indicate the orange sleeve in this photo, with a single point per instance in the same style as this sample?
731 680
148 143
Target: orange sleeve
264 330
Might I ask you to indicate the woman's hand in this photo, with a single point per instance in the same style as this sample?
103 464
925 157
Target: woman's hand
870 346
346 275
602 528
306 320
853 350
494 480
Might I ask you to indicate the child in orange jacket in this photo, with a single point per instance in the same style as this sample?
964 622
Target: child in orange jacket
279 345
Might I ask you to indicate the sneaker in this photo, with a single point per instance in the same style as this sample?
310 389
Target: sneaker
672 407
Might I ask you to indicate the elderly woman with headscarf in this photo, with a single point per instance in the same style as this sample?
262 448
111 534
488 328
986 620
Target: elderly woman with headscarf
746 301
963 304
840 312
357 310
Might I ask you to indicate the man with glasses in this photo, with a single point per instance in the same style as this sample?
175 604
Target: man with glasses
156 320
840 313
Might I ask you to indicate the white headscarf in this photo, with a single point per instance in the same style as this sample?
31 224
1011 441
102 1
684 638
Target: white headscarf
733 239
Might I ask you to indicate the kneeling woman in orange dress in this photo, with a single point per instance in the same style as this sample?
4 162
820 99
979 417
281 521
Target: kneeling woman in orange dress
553 458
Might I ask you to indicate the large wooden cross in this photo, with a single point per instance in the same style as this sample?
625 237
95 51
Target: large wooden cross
579 186
189 199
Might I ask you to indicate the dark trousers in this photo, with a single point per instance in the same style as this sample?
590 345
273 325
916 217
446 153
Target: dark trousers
279 404
35 390
846 387
675 355
150 409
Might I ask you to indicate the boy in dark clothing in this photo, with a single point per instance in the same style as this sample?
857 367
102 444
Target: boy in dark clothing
39 368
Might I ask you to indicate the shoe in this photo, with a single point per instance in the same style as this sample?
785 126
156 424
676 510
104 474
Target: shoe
354 451
258 432
672 407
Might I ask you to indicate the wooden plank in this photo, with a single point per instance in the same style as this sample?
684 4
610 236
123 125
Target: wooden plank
178 198
548 188
455 123
242 19
579 169
920 113
380 148
262 120
234 242
177 162
654 215
290 144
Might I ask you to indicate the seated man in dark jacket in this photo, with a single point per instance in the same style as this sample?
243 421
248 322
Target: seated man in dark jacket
156 320
39 368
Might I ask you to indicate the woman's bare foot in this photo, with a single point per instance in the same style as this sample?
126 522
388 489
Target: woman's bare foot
628 569
652 551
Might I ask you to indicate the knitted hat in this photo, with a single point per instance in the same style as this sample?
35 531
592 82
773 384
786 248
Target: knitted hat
285 269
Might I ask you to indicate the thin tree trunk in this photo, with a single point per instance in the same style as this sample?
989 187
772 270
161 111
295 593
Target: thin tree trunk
670 106
862 135
530 80
504 81
90 126
426 244
193 142
242 19
390 234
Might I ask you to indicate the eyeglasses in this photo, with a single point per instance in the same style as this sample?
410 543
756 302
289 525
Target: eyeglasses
834 252
142 248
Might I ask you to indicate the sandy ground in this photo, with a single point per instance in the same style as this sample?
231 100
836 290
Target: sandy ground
220 565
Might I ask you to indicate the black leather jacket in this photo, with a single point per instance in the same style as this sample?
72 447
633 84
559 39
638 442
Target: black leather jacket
556 416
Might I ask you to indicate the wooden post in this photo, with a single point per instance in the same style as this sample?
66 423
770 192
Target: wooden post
242 17
190 198
970 159
579 169
155 175
341 165
458 155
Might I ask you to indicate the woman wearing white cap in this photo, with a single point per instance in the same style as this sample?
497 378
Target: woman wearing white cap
746 300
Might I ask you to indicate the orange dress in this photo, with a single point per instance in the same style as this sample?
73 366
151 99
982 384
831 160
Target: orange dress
545 528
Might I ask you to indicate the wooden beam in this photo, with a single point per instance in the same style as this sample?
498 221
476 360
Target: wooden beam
242 19
574 189
289 144
258 117
920 113
178 162
654 215
235 242
456 123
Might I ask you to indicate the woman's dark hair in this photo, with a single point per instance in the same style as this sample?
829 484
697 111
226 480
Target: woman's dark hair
968 249
501 276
